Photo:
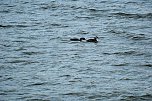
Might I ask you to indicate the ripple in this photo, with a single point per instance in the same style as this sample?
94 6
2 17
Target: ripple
95 97
75 94
5 11
147 65
20 41
32 53
98 10
85 17
5 26
17 61
20 61
51 5
137 37
12 26
121 64
37 84
132 36
8 78
2 93
126 78
146 97
40 99
135 16
65 76
125 53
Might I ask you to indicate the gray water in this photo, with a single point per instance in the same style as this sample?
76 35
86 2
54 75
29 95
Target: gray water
38 62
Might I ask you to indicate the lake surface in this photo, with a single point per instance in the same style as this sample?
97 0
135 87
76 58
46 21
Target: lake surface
38 62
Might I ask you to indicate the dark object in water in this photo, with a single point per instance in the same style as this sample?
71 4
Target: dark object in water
92 39
76 39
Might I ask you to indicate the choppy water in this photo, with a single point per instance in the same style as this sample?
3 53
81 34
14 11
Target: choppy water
39 63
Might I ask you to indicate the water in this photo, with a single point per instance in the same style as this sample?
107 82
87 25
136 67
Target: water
38 62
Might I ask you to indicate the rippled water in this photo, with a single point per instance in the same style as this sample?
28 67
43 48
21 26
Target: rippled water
38 62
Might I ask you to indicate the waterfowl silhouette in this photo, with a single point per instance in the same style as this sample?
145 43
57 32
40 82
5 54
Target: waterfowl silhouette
76 39
92 39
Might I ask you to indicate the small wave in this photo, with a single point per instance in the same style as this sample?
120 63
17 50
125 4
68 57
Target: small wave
21 26
85 17
6 91
95 97
125 78
49 6
40 99
125 53
136 37
8 78
132 36
19 41
130 2
65 75
136 16
105 53
11 26
5 79
146 97
2 93
117 32
5 26
17 61
75 94
38 84
147 65
121 64
5 11
25 2
25 62
32 53
76 8
98 10
93 9
55 24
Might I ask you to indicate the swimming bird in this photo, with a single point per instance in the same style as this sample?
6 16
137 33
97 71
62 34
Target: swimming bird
76 39
94 39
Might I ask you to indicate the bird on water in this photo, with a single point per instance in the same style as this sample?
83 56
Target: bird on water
77 39
94 39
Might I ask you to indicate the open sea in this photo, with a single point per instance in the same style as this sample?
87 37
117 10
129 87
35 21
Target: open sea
38 62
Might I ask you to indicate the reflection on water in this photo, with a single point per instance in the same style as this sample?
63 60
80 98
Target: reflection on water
39 62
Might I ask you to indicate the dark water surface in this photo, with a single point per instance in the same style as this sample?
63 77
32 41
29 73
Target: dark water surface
39 63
